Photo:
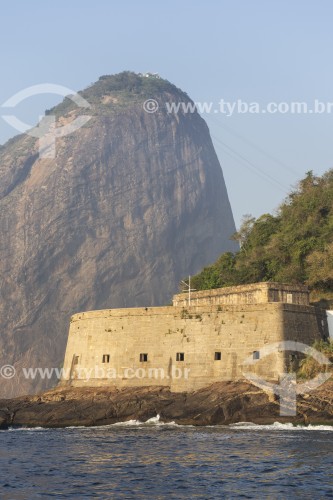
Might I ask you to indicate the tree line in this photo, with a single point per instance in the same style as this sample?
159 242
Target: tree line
293 246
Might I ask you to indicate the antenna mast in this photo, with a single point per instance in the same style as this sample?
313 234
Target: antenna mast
188 285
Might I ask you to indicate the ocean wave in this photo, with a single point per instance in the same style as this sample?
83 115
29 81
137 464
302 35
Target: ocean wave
154 421
151 422
278 426
25 429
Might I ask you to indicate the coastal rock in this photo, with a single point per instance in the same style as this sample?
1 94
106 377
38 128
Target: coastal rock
219 404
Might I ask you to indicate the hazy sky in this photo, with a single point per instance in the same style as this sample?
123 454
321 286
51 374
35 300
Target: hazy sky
247 50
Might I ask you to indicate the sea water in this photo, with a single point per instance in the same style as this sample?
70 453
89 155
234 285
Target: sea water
166 461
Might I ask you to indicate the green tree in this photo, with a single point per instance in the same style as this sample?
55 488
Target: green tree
295 245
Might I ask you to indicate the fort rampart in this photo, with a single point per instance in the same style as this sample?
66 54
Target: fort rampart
188 347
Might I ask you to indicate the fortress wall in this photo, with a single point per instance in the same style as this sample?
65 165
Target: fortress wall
257 293
304 324
197 332
288 294
250 294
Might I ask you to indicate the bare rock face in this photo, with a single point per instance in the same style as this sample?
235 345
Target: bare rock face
131 203
222 403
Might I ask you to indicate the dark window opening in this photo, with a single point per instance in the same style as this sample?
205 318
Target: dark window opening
218 356
143 357
256 355
106 358
180 356
76 360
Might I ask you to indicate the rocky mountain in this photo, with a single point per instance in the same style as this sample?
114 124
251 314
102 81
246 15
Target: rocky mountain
132 202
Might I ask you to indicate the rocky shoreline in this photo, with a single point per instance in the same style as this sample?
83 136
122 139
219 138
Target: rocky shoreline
222 403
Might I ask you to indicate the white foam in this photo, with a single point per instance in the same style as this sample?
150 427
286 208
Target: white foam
128 423
25 429
153 421
156 422
278 426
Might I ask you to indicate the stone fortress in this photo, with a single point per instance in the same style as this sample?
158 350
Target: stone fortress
206 337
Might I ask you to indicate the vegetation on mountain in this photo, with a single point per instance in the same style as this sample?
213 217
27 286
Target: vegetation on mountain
293 246
116 91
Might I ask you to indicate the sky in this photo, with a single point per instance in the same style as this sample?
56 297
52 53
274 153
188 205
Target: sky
238 51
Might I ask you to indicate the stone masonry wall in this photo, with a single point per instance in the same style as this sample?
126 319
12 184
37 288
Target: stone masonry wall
257 293
210 342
